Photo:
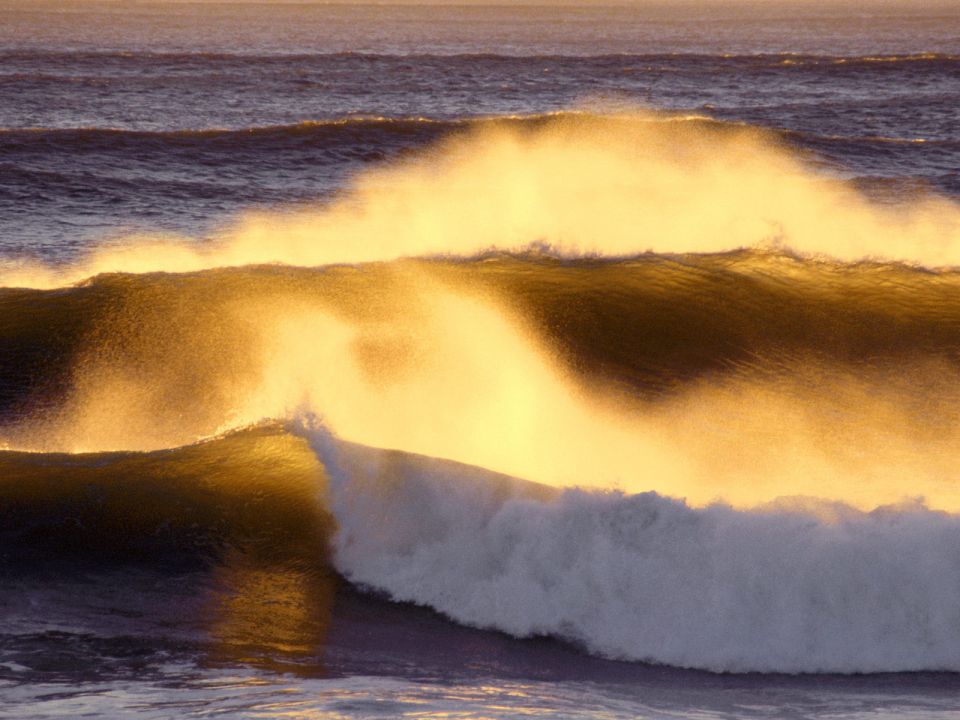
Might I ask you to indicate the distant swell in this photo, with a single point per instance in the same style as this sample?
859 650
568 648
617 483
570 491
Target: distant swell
282 57
338 131
362 138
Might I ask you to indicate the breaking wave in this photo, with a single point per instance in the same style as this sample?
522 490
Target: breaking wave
803 587
651 385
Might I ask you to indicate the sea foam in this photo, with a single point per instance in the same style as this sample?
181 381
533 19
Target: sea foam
794 586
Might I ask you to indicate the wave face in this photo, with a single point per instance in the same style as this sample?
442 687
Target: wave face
654 324
252 492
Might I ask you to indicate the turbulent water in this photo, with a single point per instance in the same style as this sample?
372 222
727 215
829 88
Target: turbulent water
382 361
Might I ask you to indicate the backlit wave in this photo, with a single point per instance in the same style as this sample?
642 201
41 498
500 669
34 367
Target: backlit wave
741 377
649 384
578 184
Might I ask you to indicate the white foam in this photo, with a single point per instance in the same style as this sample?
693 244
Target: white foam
788 588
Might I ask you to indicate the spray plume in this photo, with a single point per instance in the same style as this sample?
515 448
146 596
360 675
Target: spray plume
397 355
579 184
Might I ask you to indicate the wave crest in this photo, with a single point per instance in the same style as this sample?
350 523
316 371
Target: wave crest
803 587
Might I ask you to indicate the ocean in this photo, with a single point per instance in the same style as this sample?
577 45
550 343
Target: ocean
446 360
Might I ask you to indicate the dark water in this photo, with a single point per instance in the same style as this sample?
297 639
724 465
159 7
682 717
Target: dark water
181 533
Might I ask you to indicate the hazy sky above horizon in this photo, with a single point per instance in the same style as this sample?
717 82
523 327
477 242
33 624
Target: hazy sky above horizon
846 4
511 27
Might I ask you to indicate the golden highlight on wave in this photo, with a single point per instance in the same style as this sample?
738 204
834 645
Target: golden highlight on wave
430 363
406 357
578 183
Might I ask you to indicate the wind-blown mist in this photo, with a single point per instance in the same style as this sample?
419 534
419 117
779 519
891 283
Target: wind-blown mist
445 359
578 184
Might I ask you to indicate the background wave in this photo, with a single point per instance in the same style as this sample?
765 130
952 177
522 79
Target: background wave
652 322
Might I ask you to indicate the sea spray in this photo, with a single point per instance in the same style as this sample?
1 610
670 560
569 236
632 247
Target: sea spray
577 183
798 586
741 378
